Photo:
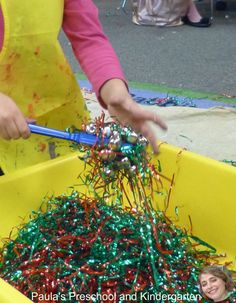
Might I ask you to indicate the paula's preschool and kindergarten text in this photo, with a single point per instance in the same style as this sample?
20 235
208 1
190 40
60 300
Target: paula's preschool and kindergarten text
115 297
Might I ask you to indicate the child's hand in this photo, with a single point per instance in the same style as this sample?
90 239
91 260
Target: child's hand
123 108
12 122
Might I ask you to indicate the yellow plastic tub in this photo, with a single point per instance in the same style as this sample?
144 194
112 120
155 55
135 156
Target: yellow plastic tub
202 189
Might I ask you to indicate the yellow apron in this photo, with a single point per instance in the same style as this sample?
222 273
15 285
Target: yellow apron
36 75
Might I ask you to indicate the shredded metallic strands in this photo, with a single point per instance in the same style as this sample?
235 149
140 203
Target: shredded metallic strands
114 245
83 246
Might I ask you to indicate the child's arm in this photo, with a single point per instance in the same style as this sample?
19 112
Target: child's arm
101 65
12 122
90 45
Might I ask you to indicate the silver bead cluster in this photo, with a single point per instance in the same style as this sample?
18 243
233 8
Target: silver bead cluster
114 158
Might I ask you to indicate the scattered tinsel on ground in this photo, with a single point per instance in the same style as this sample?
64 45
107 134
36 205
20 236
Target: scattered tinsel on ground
166 101
158 101
111 246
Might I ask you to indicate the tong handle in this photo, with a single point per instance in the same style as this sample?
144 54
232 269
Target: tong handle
80 137
41 130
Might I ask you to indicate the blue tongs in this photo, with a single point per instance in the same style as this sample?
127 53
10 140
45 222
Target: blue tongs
78 137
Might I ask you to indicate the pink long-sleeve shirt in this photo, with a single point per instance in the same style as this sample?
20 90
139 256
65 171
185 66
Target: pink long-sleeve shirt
91 47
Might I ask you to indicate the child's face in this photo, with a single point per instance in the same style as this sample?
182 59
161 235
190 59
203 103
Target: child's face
213 287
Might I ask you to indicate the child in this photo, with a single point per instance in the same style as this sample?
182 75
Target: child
38 83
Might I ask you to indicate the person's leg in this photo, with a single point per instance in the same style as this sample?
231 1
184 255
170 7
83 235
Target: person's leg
192 13
193 17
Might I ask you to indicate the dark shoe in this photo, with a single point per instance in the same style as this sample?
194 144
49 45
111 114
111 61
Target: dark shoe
221 5
204 22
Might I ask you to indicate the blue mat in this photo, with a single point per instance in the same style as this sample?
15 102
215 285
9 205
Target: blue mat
149 97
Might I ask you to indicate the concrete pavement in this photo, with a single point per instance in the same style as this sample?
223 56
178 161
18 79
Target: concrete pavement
199 59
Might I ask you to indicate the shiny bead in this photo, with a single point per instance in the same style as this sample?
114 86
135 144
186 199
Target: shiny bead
114 143
91 129
132 137
125 163
107 131
108 172
142 140
116 135
107 154
133 170
125 131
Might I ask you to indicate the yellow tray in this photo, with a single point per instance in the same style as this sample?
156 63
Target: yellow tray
203 189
